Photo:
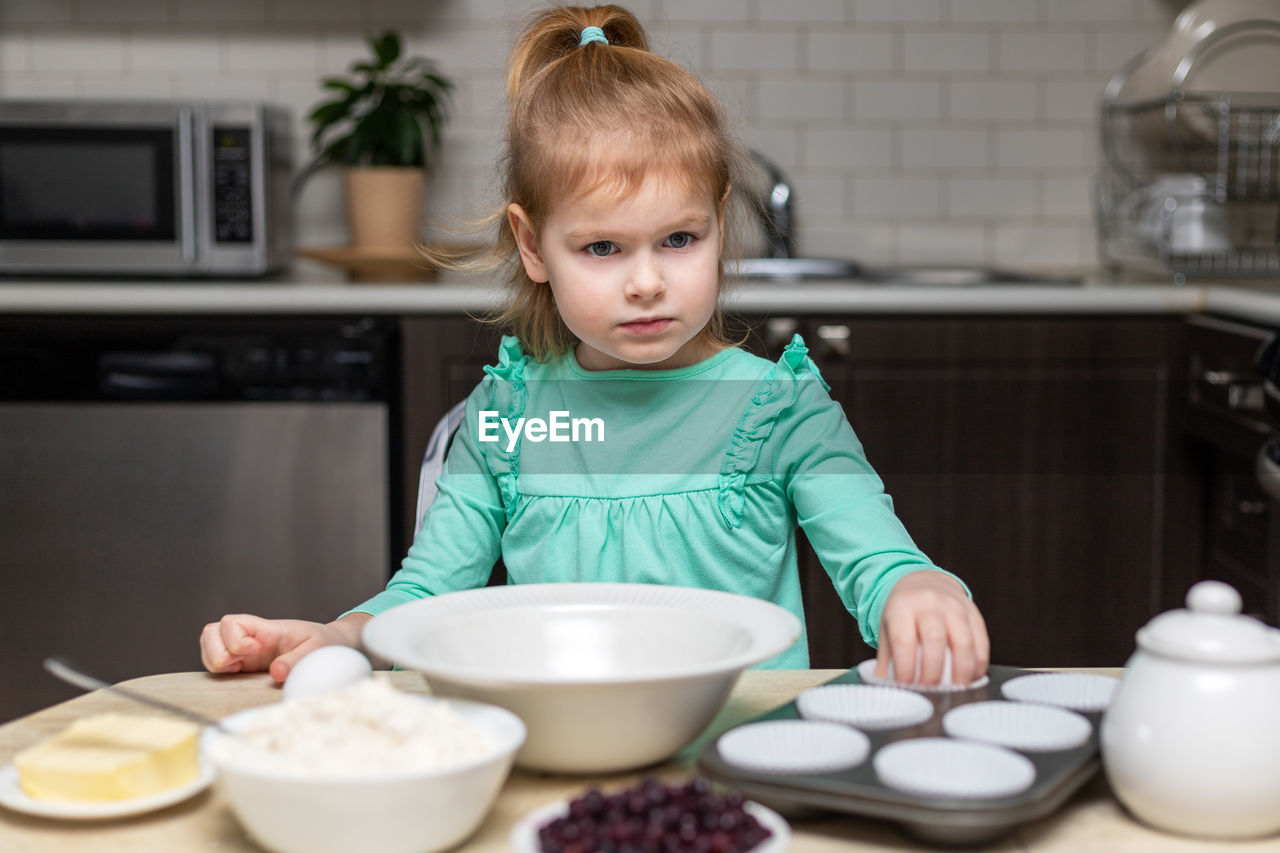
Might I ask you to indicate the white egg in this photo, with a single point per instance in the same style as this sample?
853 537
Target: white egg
327 668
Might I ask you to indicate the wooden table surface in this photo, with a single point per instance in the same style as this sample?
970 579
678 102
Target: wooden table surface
1091 821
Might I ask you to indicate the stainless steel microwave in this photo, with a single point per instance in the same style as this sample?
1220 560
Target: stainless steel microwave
165 188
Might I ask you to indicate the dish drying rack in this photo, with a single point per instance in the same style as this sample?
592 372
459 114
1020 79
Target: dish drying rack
1189 184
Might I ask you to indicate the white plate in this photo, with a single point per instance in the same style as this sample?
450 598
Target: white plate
13 797
524 835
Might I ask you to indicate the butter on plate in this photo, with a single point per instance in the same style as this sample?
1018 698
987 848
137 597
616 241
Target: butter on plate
111 757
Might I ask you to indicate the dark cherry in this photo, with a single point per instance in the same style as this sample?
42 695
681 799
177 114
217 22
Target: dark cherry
652 817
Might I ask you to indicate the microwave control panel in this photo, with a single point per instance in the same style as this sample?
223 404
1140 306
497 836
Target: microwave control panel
232 185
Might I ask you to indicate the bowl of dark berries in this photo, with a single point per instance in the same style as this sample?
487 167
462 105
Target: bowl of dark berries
653 817
606 676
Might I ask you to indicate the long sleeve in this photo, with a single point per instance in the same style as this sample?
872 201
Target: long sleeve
461 535
841 503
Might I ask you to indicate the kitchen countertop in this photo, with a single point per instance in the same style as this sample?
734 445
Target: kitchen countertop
308 291
1091 820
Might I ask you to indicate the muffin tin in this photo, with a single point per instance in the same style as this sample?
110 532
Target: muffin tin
1003 760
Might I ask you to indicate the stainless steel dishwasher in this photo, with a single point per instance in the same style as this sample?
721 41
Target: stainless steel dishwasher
156 473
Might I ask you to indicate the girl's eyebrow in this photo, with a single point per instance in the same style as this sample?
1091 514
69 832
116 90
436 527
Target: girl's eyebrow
692 221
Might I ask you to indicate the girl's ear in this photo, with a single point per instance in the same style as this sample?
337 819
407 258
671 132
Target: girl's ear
527 243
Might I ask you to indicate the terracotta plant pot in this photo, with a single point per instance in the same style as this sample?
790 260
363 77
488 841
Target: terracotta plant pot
384 206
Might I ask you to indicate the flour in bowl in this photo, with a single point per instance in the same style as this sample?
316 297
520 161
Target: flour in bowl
365 729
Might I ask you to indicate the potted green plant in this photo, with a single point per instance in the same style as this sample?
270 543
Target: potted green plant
384 127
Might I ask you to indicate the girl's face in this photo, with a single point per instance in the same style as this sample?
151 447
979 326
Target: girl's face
635 279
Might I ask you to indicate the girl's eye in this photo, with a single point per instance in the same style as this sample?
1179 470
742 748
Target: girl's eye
601 248
680 240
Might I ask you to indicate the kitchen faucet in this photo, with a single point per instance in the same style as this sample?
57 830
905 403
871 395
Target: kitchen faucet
775 209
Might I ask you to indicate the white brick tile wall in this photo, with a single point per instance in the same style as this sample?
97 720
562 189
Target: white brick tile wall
1060 49
994 11
221 12
1019 245
1068 198
946 51
130 12
761 52
788 100
1075 101
989 198
78 49
991 100
941 244
13 51
946 131
1043 151
937 149
848 51
1088 11
847 148
1117 45
274 49
898 11
901 100
905 197
809 11
154 49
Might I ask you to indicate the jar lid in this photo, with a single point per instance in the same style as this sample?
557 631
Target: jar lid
1211 630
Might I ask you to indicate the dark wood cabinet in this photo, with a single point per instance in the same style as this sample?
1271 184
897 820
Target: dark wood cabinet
1036 457
1033 456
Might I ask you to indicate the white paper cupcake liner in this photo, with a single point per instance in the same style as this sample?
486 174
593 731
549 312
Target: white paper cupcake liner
866 672
1075 690
941 767
866 706
1018 725
794 746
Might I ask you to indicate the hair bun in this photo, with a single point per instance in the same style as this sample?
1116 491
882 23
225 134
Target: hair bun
555 33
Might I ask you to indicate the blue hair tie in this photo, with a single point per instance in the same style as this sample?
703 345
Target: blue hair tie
590 34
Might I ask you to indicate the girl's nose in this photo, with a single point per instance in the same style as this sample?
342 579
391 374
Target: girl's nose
646 280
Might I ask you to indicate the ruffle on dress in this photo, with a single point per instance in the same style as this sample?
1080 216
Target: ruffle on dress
778 391
508 396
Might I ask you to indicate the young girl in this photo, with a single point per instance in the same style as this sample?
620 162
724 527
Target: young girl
687 460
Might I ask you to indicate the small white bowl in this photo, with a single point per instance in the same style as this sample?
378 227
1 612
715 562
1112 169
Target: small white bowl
407 812
607 676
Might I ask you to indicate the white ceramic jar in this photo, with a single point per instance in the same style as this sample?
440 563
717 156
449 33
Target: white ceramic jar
1191 741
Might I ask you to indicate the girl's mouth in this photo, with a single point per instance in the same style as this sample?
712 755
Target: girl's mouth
648 327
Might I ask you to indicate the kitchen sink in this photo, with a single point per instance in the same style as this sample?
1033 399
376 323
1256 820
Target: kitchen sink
783 270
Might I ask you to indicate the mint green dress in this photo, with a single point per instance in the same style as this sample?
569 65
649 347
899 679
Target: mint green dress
695 476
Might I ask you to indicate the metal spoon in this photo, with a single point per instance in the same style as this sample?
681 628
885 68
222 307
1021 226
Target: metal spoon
77 677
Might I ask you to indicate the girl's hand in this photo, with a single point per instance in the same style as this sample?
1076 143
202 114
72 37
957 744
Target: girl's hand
929 611
243 643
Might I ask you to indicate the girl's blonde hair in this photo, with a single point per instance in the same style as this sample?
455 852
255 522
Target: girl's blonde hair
590 117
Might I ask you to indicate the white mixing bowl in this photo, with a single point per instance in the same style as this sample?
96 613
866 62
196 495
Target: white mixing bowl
607 676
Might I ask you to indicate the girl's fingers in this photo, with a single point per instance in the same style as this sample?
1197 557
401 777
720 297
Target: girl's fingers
213 652
904 649
933 648
883 656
